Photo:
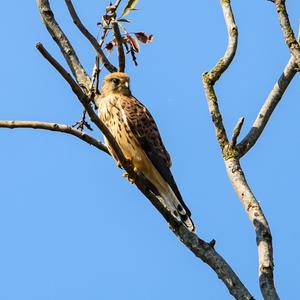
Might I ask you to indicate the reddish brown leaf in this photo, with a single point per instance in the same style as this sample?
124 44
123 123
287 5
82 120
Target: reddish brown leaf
143 37
150 38
133 42
110 45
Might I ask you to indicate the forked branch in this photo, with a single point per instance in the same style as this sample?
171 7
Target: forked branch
210 78
90 37
280 86
232 152
267 108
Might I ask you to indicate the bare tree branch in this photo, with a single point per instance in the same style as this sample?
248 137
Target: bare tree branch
261 226
64 44
121 54
205 251
232 30
95 77
90 37
54 127
210 78
268 107
231 155
235 173
287 30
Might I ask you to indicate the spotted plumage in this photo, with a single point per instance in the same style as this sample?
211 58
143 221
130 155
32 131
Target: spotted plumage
137 135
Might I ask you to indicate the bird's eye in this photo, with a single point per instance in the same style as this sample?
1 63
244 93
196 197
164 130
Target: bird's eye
116 81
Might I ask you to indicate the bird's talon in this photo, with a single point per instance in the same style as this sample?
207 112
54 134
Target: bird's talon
131 180
126 175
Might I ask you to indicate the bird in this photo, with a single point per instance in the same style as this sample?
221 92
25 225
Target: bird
136 133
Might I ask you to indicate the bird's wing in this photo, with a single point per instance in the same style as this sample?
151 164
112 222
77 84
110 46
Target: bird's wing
145 130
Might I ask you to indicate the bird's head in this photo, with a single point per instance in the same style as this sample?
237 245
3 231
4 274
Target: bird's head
116 83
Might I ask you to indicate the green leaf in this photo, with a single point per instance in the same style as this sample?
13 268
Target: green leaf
129 7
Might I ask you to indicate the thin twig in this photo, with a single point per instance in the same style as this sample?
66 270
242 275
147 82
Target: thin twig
54 127
82 123
90 37
287 30
121 55
200 248
236 131
113 9
96 69
97 83
95 76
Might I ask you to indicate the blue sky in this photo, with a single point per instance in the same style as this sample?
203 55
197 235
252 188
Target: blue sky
72 228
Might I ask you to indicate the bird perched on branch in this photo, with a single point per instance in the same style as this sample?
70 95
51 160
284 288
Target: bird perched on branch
137 135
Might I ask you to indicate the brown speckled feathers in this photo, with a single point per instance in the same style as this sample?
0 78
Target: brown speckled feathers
137 134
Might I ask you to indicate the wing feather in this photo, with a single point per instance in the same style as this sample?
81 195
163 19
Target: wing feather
146 132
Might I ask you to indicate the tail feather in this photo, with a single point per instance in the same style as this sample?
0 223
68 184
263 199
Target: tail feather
177 210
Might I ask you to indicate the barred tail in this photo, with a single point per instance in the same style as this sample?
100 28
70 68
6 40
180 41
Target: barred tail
177 210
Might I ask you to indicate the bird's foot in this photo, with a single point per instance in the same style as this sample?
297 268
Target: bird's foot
130 179
125 174
128 160
135 170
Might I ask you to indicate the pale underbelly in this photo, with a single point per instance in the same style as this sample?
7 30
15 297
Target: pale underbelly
140 162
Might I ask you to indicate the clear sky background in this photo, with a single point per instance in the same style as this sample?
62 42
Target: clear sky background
72 228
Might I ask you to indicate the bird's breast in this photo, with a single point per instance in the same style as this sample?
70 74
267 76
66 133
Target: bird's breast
114 118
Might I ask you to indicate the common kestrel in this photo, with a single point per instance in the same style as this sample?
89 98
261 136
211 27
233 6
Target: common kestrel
137 135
